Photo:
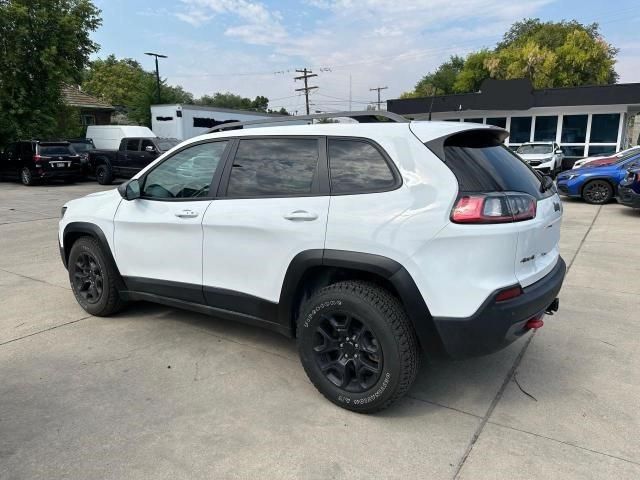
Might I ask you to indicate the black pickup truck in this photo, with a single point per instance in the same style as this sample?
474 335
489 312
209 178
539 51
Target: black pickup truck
133 155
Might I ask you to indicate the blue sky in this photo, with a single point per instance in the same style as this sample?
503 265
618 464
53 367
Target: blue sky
251 47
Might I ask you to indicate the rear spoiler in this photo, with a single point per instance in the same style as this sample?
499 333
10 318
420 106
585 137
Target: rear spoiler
474 137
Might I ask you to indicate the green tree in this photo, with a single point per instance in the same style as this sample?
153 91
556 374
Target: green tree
237 102
440 82
124 82
550 54
43 43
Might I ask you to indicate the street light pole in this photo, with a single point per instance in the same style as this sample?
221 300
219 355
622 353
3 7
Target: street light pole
157 55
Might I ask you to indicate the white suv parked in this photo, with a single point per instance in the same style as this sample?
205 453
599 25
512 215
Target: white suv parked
370 243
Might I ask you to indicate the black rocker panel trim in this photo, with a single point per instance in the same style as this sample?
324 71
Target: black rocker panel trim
241 303
207 310
187 292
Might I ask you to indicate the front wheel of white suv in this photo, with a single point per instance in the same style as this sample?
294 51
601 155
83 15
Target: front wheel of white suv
93 278
358 346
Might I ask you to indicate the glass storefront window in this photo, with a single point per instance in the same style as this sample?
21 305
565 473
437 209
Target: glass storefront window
573 151
520 130
497 122
601 149
574 128
473 120
604 128
545 129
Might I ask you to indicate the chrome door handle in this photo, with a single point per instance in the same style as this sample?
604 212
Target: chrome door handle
301 216
186 214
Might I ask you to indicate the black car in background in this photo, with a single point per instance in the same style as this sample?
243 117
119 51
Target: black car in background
82 146
32 160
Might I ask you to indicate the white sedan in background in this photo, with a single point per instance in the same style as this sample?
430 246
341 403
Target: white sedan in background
613 158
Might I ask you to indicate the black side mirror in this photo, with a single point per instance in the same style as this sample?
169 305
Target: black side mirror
130 190
546 183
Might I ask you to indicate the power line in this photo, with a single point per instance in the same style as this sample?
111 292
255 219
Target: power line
306 74
378 89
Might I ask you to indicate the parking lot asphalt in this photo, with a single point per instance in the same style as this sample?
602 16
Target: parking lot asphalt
161 393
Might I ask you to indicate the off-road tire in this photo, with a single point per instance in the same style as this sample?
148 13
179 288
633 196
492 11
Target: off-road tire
382 313
109 302
104 174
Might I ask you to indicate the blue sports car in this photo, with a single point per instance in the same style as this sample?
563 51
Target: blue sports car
597 184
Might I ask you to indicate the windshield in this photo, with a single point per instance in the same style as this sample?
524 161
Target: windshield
165 144
82 147
55 150
540 149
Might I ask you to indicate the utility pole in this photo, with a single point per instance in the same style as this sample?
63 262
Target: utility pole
378 89
306 74
157 55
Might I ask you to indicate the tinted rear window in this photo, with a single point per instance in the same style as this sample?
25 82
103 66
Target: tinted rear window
482 164
55 150
357 167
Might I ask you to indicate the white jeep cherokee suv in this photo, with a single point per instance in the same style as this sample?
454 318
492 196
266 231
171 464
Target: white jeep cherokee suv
370 243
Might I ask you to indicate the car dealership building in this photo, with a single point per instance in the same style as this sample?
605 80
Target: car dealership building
583 120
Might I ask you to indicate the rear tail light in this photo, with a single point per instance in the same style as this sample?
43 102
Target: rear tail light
494 208
36 160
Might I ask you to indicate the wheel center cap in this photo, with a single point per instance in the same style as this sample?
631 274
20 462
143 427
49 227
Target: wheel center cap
349 349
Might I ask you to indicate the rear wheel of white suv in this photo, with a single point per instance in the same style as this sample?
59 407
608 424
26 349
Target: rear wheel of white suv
93 278
358 346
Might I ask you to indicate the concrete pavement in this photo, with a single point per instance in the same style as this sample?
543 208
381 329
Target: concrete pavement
161 393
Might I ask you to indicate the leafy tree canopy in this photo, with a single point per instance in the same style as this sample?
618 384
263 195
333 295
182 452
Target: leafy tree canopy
550 54
44 43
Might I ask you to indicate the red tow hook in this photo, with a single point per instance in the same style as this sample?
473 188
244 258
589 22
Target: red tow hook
534 323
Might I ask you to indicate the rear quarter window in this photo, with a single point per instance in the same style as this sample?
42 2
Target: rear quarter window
356 166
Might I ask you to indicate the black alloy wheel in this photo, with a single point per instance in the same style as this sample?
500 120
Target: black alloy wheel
347 352
597 192
88 279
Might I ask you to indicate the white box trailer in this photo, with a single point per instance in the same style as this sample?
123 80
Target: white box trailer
107 137
186 121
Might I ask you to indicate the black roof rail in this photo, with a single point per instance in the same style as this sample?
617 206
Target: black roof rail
365 116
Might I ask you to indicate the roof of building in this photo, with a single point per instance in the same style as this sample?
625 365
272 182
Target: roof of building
519 94
74 97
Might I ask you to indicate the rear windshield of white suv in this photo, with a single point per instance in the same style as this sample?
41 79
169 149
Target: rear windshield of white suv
481 163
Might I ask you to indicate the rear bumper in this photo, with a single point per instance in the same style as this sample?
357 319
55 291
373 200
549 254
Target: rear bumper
62 173
628 197
496 325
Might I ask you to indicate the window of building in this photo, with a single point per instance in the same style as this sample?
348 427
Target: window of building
520 130
573 151
601 149
604 128
88 119
497 122
187 174
358 167
546 128
574 128
273 166
473 120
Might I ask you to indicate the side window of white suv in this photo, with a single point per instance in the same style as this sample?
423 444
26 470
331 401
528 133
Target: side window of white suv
357 166
186 174
274 167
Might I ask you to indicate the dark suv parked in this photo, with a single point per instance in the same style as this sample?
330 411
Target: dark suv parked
33 160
